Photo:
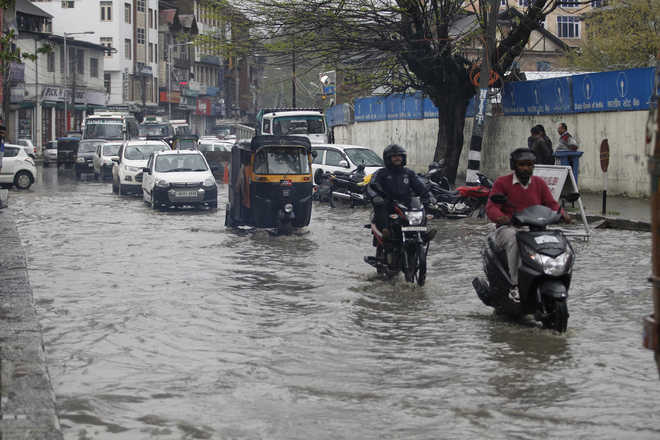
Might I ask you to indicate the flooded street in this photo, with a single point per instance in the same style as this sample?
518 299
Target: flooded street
167 325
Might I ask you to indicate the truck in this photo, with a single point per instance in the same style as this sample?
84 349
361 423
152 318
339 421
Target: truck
110 126
306 122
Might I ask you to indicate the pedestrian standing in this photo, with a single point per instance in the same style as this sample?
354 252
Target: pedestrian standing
541 147
566 140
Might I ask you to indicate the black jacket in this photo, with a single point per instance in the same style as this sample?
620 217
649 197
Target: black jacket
397 184
543 151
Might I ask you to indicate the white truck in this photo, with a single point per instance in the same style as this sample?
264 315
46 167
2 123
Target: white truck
307 122
111 126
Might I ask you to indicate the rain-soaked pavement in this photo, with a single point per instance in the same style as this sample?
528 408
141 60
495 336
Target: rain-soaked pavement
167 325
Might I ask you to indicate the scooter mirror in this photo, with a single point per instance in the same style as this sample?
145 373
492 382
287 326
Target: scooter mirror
500 199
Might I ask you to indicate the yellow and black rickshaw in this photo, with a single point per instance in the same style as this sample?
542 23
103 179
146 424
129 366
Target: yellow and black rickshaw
270 183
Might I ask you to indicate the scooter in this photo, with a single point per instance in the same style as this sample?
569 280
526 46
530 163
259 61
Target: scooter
544 276
406 248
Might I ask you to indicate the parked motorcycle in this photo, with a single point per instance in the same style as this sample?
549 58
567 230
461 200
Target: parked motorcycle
350 187
462 202
544 276
406 247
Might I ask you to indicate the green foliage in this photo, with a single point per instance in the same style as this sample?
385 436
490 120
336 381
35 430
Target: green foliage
624 35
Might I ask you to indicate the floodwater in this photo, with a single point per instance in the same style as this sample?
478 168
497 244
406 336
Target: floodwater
166 325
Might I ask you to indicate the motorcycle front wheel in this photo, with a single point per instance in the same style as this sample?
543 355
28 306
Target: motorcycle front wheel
410 262
557 316
421 265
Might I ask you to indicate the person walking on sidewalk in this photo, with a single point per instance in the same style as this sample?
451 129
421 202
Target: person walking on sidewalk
541 146
566 140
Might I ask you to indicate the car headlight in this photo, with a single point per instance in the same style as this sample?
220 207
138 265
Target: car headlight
553 266
80 160
415 217
162 183
132 169
209 181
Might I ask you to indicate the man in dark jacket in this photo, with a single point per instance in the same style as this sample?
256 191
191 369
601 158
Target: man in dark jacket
541 146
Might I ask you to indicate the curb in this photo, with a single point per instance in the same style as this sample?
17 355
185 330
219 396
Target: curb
27 400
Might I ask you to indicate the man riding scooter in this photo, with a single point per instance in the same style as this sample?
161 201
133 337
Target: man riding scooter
395 182
522 190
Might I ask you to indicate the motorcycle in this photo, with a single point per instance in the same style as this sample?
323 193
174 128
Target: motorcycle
462 202
544 276
346 186
406 247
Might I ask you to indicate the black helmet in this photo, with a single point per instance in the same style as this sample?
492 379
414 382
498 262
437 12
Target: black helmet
522 153
394 150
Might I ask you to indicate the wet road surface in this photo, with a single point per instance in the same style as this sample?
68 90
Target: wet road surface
167 325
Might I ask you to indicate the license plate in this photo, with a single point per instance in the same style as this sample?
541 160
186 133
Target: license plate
413 229
186 194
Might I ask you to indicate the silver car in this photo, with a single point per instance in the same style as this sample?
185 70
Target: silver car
50 153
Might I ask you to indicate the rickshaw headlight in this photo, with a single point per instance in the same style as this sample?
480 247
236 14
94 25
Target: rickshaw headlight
161 183
288 208
208 182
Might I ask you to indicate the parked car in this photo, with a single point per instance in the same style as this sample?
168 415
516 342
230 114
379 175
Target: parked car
217 154
131 158
85 156
103 159
177 178
18 169
50 153
67 149
345 158
30 149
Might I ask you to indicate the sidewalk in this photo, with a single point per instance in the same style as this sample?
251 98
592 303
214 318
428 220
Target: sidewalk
622 212
27 404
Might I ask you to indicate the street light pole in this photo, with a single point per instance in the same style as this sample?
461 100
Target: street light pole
66 78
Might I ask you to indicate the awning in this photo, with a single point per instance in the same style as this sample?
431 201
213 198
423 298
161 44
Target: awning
26 104
47 104
27 8
80 107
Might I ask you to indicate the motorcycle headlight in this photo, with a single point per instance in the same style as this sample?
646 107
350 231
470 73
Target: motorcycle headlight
415 218
208 182
288 208
161 183
556 266
80 160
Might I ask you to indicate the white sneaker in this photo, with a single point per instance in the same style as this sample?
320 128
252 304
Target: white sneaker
514 295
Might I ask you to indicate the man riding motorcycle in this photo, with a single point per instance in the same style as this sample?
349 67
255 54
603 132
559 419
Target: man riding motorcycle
394 182
522 190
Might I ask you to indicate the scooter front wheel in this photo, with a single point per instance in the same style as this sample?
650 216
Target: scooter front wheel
558 317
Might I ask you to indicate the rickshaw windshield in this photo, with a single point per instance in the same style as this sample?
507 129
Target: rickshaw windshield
281 160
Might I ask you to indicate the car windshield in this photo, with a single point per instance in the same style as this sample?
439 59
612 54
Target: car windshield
180 163
281 161
214 147
103 129
51 145
187 143
111 149
364 156
154 130
142 152
298 125
87 147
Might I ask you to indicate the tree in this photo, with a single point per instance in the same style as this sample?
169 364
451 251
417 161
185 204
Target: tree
605 49
400 45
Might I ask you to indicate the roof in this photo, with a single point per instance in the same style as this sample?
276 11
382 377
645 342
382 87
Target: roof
166 16
60 40
188 21
28 8
274 141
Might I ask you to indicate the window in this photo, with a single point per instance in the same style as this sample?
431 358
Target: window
50 61
151 53
61 59
128 12
156 53
127 48
568 27
503 2
598 3
106 11
151 18
139 5
81 61
333 157
318 160
569 3
94 67
67 4
523 2
106 83
107 42
140 35
71 60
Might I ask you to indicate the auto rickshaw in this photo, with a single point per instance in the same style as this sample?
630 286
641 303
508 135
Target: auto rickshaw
270 183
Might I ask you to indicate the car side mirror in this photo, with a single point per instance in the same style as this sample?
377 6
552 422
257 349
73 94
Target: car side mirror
146 170
315 154
343 163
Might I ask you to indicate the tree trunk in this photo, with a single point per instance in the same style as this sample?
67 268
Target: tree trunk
451 122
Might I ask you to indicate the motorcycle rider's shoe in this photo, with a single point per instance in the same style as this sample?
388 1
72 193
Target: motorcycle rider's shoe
514 294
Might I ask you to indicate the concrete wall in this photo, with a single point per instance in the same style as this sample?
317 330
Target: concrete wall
625 131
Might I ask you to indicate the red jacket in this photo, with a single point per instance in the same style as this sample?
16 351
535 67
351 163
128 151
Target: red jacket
519 198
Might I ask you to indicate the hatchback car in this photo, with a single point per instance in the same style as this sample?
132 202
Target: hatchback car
50 153
177 178
18 168
131 158
85 156
29 148
103 159
345 158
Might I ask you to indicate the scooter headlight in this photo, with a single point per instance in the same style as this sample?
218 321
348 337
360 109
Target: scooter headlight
554 267
415 218
288 208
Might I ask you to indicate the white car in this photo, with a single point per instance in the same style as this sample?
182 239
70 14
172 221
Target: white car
18 168
103 159
30 149
131 158
345 158
50 153
177 178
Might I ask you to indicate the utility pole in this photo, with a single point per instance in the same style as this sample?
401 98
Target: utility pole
293 76
489 9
